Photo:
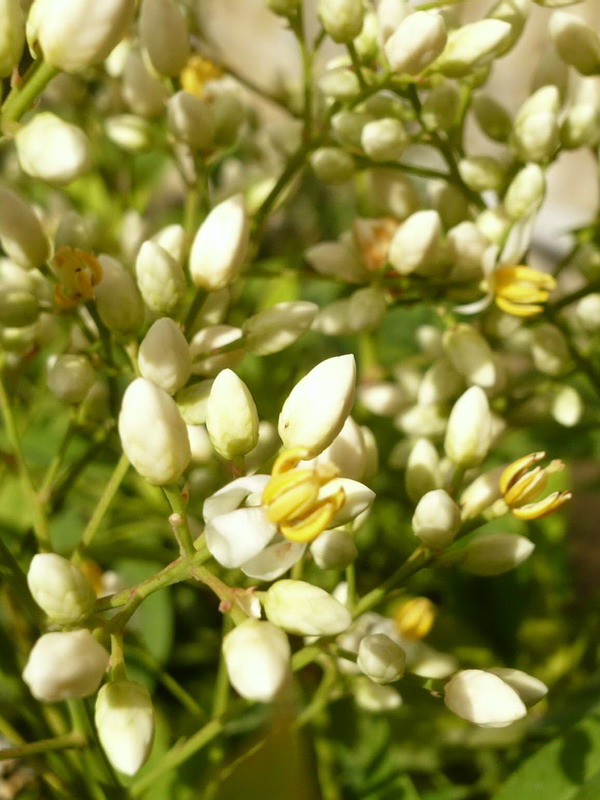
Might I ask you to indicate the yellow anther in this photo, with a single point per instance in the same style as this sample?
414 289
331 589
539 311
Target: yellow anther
414 618
289 459
517 469
520 485
197 73
521 291
313 524
78 274
543 508
291 501
372 239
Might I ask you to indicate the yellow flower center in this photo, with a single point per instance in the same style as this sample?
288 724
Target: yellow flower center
522 482
78 273
372 239
414 618
294 500
197 73
521 291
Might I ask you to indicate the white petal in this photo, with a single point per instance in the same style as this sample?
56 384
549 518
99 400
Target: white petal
358 498
238 536
274 560
233 495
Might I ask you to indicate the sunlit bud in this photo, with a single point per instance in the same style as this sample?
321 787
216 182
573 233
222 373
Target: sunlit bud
472 46
21 233
128 132
384 139
172 239
416 242
18 307
391 193
567 406
190 120
284 8
494 223
481 494
536 130
441 382
257 655
70 377
515 12
334 549
577 43
348 126
417 42
164 36
449 201
162 456
493 119
383 399
483 698
469 431
587 311
581 126
422 470
526 191
336 260
316 408
65 665
160 279
75 34
342 19
278 327
390 14
495 553
436 519
200 444
339 84
367 42
332 165
420 420
60 589
53 150
232 419
550 350
470 355
375 697
346 452
12 35
193 402
530 689
414 618
164 356
380 658
118 299
441 107
219 247
124 719
143 92
482 173
205 347
465 249
334 318
307 610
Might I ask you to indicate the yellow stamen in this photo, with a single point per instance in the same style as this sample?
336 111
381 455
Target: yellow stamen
78 274
309 527
520 485
543 508
414 618
521 290
197 73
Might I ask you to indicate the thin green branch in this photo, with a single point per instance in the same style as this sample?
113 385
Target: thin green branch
418 559
69 740
24 96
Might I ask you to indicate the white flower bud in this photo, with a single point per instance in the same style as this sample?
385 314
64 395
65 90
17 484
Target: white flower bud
278 327
316 408
383 399
494 223
164 356
332 165
336 260
390 14
21 233
213 310
346 452
391 193
118 299
193 402
219 247
334 549
348 126
436 519
18 308
550 350
70 377
470 355
374 697
472 46
588 312
53 150
493 119
495 553
567 406
12 35
417 42
190 120
339 84
65 665
465 249
342 19
422 470
160 279
334 318
212 338
124 719
60 589
200 445
450 203
307 610
257 655
359 499
420 420
469 431
482 173
441 382
483 698
164 36
380 658
144 93
530 689
367 309
384 139
75 34
481 494
231 419
441 107
285 8
172 239
128 132
576 42
153 434
581 126
526 192
536 129
416 242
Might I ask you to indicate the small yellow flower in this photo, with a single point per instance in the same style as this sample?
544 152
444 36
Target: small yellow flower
291 497
521 290
521 484
415 617
78 273
197 73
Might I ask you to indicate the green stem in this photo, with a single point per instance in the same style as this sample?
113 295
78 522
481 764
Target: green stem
418 559
179 521
65 742
307 72
356 64
57 461
193 310
22 98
